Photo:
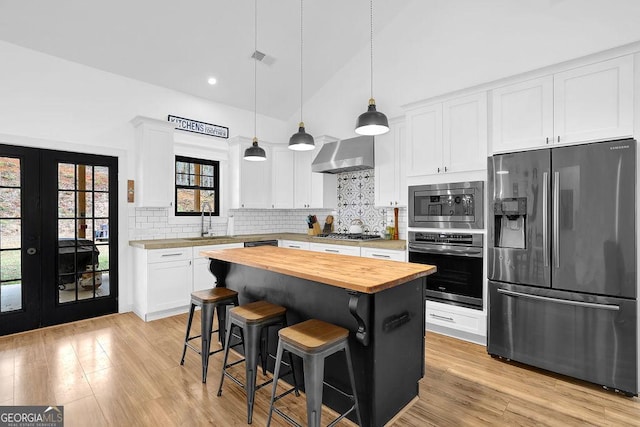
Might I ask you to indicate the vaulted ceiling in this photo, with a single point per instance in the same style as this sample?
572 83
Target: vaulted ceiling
179 45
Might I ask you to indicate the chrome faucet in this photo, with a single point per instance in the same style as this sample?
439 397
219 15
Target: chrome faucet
207 232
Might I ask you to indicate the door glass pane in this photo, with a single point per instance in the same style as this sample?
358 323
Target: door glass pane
10 202
66 176
10 280
85 204
101 230
10 232
66 204
10 235
9 172
66 228
83 242
84 176
101 205
101 177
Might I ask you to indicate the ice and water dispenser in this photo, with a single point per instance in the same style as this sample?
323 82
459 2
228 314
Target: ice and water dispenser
510 216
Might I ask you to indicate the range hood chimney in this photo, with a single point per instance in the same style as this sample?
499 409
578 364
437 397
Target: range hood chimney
347 155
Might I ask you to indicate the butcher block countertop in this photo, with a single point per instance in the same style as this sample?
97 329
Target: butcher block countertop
365 275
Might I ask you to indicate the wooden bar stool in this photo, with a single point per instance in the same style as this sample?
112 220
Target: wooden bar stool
209 300
314 340
253 319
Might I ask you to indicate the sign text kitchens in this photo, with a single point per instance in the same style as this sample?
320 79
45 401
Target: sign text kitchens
199 127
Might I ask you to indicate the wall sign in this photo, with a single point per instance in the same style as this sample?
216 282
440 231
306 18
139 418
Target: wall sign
199 127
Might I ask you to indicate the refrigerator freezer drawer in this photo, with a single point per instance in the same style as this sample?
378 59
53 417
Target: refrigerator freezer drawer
586 337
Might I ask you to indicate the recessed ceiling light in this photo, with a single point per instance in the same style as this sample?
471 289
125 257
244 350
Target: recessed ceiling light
212 80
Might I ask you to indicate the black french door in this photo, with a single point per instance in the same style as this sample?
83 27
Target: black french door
58 261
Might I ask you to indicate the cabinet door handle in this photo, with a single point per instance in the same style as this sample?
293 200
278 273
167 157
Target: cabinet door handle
176 254
547 140
558 138
445 168
438 170
380 256
435 316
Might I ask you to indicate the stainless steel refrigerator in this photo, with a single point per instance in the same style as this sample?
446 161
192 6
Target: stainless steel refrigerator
562 261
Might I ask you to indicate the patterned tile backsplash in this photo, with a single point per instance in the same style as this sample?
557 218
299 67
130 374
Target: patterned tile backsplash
356 199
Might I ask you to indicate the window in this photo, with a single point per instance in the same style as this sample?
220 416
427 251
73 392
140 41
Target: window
197 183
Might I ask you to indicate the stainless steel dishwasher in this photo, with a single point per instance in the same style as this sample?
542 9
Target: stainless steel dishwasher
261 243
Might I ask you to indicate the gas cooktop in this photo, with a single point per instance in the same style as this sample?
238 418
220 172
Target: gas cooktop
348 236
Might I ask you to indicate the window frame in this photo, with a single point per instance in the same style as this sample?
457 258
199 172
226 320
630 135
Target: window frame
216 185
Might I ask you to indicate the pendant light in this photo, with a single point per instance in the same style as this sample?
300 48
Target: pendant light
301 140
255 153
372 122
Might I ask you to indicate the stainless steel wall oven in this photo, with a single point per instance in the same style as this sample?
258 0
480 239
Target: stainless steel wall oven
451 205
458 258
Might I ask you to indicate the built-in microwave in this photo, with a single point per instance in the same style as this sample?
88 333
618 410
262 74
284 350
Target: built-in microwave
451 205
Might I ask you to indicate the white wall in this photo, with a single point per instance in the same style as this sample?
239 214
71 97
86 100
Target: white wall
48 102
439 46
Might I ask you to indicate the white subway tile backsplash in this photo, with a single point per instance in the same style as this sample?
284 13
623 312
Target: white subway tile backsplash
356 199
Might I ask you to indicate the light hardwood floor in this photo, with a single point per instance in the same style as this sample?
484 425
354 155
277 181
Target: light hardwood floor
117 370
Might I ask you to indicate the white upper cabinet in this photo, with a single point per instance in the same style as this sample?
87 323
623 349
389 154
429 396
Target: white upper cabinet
522 114
250 181
255 181
464 133
283 177
448 137
390 174
589 103
303 185
594 102
155 162
424 150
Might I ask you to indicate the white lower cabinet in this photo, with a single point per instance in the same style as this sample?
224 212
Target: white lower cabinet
163 281
390 254
458 322
293 244
202 277
335 249
165 278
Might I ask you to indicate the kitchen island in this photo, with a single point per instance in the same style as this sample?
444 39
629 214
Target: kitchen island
380 302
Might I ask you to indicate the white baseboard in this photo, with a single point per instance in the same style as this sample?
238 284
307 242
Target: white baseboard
456 333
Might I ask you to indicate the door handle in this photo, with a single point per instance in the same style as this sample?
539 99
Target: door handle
435 316
545 219
556 217
31 251
612 307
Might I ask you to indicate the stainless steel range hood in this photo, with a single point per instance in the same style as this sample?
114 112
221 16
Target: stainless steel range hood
347 155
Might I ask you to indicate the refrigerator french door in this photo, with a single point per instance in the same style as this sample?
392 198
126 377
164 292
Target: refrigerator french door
562 261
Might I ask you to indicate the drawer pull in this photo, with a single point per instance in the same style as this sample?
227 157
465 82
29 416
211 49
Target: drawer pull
335 251
435 316
176 254
380 256
294 246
